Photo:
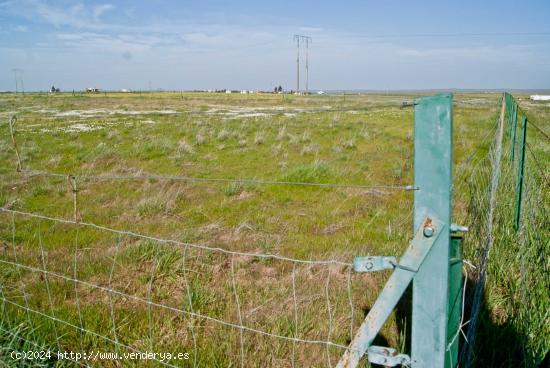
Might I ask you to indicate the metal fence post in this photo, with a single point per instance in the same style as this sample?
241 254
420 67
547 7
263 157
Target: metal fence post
433 176
514 127
510 110
519 186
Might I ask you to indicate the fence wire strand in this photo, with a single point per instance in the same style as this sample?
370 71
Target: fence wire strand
90 177
175 242
162 306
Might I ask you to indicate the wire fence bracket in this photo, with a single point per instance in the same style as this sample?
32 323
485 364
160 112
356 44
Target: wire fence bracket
387 357
373 263
412 260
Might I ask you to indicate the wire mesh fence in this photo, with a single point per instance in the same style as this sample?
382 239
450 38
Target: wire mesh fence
197 292
74 281
507 303
82 272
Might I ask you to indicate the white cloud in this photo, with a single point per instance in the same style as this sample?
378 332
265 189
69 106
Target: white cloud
99 10
21 28
79 16
310 29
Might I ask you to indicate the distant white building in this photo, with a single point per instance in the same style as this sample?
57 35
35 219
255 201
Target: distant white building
228 91
540 97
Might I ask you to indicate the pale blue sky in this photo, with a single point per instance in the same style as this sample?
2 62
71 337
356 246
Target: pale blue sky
248 44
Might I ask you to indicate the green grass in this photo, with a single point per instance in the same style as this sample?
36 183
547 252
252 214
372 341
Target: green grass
365 139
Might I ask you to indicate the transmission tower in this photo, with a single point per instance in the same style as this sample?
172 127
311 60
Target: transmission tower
297 39
15 71
307 40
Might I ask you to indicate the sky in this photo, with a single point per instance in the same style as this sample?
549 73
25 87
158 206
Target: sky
184 45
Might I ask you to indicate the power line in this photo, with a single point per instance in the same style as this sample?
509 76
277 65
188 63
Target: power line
458 35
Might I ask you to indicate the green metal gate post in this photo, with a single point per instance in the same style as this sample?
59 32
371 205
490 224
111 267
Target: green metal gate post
431 261
519 186
433 177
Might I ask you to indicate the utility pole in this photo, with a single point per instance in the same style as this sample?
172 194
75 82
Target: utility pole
307 40
297 39
15 71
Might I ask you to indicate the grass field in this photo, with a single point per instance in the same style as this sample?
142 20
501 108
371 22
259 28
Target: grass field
350 140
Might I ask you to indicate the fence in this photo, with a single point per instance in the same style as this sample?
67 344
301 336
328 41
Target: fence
508 242
77 283
239 307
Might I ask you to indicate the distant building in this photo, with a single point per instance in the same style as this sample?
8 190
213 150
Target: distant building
540 97
54 90
92 90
